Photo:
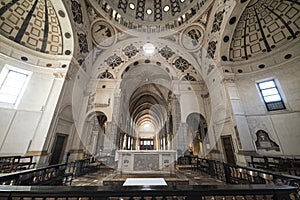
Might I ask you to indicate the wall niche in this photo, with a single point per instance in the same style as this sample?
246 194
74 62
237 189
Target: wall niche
263 141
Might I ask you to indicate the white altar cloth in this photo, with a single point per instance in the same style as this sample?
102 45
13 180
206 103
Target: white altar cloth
144 182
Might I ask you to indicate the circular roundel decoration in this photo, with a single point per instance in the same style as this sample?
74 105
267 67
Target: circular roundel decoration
113 61
166 52
181 64
103 34
191 38
130 51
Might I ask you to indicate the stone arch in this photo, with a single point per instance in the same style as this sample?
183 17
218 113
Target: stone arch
95 129
197 131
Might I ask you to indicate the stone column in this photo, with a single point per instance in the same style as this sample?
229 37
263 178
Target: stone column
180 140
110 138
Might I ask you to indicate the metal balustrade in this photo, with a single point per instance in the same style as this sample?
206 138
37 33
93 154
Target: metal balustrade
234 174
243 183
10 164
61 174
185 192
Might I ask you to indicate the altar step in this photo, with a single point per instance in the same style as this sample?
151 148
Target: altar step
185 167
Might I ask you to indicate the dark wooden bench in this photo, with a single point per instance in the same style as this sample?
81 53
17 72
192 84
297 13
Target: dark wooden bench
10 164
276 164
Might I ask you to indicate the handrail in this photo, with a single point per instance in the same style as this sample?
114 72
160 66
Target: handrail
58 174
35 176
10 164
235 174
185 191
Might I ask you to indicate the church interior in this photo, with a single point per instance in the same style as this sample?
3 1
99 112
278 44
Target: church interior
99 89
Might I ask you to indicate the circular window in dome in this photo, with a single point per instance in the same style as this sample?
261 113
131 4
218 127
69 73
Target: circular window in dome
149 11
166 8
148 49
131 6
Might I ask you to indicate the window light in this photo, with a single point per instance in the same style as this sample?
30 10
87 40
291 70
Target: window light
271 95
149 11
149 49
166 8
131 6
12 86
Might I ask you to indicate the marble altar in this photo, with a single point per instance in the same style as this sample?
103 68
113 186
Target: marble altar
146 161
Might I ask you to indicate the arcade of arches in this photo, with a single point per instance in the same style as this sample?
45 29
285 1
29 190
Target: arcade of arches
215 79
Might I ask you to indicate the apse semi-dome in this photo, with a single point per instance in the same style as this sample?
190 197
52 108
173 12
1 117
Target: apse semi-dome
150 16
36 25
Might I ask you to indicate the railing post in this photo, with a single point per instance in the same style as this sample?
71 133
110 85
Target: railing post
227 172
212 167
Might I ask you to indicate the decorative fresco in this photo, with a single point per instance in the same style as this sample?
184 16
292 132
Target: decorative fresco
103 34
77 12
192 37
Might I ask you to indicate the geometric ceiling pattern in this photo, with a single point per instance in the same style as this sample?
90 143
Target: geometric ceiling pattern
32 23
263 26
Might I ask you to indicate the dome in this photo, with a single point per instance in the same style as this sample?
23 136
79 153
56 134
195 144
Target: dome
36 25
150 16
263 26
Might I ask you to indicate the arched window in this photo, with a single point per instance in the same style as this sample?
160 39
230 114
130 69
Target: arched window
106 75
188 77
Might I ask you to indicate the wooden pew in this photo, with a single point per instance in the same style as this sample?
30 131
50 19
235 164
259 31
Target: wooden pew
10 164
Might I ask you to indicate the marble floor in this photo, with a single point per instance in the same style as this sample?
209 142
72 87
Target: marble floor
187 174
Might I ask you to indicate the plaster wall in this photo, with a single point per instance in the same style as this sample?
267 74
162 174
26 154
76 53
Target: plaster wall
282 126
26 123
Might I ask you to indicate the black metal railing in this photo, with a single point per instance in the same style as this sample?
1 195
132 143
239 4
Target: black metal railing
288 164
51 175
185 192
61 174
244 183
235 174
10 164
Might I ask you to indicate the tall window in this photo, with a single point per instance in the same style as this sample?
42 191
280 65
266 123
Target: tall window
271 95
12 83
